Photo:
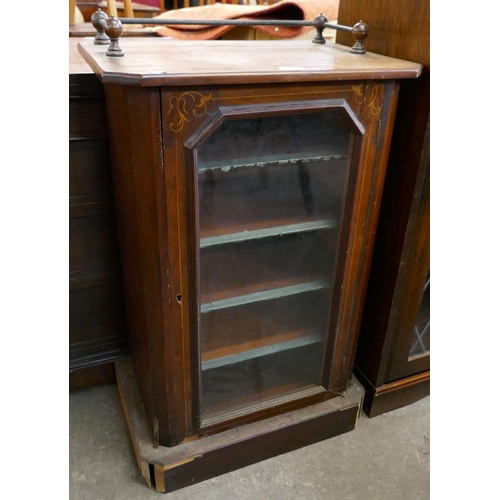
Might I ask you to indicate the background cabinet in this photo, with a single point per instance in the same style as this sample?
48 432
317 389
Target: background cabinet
393 355
97 322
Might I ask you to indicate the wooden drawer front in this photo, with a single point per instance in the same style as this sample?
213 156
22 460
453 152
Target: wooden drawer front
97 322
93 242
89 167
87 117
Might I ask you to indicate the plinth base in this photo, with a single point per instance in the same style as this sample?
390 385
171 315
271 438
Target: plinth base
394 395
168 469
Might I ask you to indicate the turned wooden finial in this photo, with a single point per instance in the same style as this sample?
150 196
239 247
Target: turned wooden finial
359 32
114 29
98 19
319 24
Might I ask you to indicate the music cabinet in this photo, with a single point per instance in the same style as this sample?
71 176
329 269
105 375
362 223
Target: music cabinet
247 191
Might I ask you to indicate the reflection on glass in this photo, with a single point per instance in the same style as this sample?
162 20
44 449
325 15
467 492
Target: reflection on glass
422 330
270 197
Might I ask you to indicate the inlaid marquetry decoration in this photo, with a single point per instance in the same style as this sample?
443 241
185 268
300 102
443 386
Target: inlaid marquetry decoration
358 91
185 105
422 330
376 96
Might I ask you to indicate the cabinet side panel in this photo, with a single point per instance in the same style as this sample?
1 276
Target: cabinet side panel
128 229
137 144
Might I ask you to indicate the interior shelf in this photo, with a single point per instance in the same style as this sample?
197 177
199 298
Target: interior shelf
273 160
278 344
255 202
275 293
254 231
225 332
229 387
261 351
284 139
237 274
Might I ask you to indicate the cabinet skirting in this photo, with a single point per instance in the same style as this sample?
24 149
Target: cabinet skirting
92 376
394 395
169 468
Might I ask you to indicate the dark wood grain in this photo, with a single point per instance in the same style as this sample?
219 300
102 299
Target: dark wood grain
97 315
412 275
140 199
87 117
401 252
90 163
100 373
97 322
396 28
389 397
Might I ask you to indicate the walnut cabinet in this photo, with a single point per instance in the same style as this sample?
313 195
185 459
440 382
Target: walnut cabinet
247 191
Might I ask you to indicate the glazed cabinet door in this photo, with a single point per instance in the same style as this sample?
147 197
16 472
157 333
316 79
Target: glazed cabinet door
270 187
271 199
410 322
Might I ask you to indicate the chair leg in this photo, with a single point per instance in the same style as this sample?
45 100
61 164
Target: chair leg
128 8
72 9
112 11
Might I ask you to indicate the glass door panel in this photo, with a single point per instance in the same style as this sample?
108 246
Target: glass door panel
421 343
270 196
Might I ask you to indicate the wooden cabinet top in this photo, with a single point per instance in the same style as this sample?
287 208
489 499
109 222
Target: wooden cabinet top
77 64
166 62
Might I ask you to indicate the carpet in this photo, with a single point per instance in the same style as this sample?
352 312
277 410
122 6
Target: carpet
290 10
